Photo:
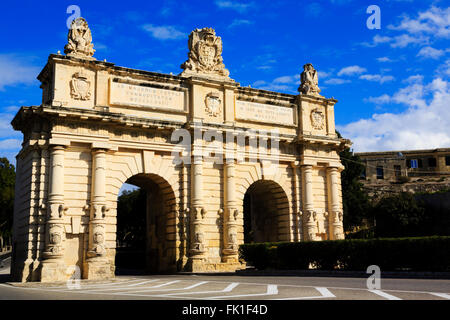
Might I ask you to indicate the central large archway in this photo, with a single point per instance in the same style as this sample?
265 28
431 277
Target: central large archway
144 233
266 213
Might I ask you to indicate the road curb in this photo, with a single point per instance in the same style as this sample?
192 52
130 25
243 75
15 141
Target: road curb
352 274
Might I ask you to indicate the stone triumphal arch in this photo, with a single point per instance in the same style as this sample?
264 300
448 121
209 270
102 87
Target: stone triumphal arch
221 163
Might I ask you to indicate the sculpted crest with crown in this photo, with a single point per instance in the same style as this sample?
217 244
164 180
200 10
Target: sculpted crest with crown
205 54
79 40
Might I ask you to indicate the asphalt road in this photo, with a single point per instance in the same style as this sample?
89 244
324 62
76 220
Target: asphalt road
228 287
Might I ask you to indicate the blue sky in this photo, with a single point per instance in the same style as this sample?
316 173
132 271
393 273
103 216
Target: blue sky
392 84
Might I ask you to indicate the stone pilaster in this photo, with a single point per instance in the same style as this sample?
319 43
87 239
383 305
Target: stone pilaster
298 225
184 217
335 218
97 265
309 215
198 212
53 266
230 215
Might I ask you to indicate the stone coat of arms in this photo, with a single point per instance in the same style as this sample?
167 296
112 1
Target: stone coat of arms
205 54
79 40
317 119
213 104
80 87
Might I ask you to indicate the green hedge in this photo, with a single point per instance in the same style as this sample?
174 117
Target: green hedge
390 254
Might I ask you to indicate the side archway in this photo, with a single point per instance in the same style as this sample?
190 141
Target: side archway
265 213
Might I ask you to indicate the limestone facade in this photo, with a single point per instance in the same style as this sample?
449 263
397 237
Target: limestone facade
100 125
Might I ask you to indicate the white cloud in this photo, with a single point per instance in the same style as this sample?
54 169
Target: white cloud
9 144
259 83
381 39
404 40
336 81
377 78
434 21
275 87
287 79
323 74
424 124
351 70
429 52
444 69
284 83
16 70
234 5
313 9
164 32
384 59
383 99
6 130
101 46
417 78
400 41
240 22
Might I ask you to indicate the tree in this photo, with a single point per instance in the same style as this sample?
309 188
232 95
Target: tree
355 200
131 218
399 216
7 183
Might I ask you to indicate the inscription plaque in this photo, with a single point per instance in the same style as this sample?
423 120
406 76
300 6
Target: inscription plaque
259 112
125 94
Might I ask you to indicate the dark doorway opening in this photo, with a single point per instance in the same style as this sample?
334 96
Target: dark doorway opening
265 213
145 242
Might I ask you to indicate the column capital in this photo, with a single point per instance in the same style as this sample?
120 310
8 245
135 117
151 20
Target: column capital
335 168
98 150
230 161
306 166
57 147
295 164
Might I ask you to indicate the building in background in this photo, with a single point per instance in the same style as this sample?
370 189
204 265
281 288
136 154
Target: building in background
407 170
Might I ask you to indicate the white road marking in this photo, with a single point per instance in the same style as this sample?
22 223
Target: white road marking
229 288
165 284
325 293
139 283
177 289
101 290
185 295
442 295
98 285
384 295
272 289
118 287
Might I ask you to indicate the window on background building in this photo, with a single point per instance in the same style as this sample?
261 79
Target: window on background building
447 160
363 174
380 172
397 171
419 163
432 162
414 163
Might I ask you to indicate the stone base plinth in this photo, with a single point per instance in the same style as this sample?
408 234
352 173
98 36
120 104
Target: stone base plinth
54 271
230 259
200 265
98 270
